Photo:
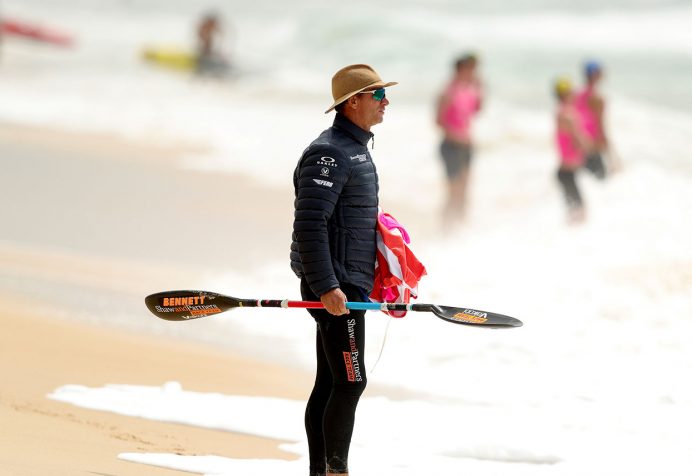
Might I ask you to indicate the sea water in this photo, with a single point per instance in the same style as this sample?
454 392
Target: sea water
595 382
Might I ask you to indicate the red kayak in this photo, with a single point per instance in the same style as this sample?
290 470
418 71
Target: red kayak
34 32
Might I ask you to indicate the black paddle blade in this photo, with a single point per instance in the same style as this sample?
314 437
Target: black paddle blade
473 317
186 305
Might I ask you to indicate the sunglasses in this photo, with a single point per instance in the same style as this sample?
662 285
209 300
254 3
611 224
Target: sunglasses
377 94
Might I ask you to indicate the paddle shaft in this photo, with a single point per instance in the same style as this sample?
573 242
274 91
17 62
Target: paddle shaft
356 306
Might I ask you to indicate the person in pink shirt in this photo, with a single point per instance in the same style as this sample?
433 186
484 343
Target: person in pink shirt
590 106
573 145
459 102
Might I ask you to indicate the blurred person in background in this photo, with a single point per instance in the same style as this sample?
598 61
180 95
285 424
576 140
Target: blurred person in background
590 105
333 253
210 59
2 28
459 102
572 145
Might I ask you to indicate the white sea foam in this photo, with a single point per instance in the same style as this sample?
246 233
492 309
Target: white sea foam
412 437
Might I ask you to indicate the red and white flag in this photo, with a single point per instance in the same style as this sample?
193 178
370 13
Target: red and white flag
397 270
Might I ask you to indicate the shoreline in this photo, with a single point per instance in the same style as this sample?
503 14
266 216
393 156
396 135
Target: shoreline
69 266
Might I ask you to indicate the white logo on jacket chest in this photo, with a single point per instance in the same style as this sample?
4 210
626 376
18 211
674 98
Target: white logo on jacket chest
359 157
328 161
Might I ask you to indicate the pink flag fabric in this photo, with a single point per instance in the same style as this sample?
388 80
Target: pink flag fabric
397 270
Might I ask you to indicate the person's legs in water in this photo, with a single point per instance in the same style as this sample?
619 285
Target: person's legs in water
339 383
457 161
575 204
594 164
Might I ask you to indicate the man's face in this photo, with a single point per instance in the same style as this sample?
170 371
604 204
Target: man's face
370 110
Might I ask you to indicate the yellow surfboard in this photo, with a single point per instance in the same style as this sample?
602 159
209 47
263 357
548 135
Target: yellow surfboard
170 57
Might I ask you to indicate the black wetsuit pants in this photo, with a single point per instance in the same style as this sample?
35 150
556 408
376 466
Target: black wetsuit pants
339 383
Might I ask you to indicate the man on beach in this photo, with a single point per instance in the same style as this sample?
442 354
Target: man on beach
333 253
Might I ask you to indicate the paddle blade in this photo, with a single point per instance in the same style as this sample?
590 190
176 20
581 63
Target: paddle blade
186 305
473 317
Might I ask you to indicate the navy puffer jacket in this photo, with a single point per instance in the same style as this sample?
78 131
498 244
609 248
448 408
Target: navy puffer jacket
335 218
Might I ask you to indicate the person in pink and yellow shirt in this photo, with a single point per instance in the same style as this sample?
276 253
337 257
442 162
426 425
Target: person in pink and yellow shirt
459 102
573 145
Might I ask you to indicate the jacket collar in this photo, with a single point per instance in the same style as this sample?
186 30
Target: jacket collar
341 122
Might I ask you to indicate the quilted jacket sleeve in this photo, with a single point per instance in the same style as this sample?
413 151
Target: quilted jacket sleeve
320 179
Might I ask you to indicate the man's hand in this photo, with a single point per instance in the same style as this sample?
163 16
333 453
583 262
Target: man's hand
334 302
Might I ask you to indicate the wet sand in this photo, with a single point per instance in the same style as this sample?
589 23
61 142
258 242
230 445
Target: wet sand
91 224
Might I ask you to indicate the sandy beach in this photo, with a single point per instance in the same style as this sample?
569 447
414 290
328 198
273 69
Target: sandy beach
41 436
86 235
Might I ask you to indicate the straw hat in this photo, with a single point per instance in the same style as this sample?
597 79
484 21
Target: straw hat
352 80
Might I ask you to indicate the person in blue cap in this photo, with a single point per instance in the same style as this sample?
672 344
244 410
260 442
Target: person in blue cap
590 105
